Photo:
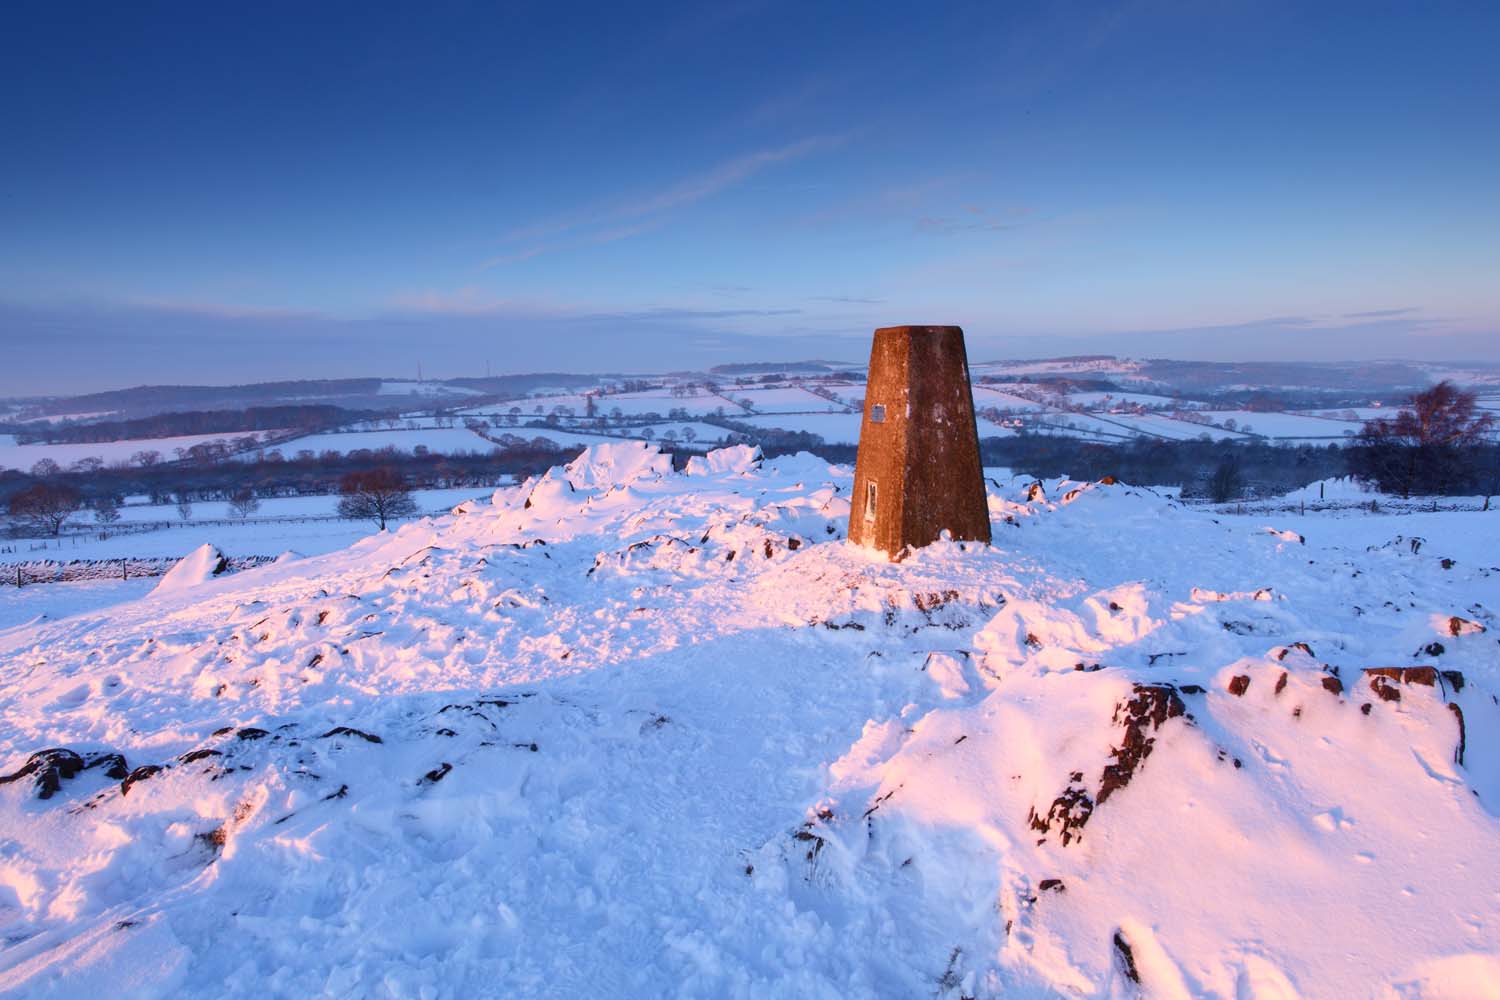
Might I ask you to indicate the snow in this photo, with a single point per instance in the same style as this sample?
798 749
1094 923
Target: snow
985 397
630 404
790 399
742 458
833 428
442 441
1287 425
425 389
59 600
1109 400
308 524
627 732
198 566
24 456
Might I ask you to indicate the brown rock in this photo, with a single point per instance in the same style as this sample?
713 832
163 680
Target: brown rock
1239 684
1458 752
1425 676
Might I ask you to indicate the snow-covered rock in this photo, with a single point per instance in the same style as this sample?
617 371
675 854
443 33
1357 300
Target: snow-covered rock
623 732
203 563
736 458
617 464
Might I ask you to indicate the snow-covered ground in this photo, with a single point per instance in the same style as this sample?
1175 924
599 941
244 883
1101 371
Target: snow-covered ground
398 388
1287 425
620 731
24 456
791 399
438 440
59 600
308 525
834 428
1107 401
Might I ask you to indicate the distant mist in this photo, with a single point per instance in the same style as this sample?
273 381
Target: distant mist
84 348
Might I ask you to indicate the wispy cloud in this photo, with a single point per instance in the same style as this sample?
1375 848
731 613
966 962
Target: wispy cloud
1382 313
221 310
973 220
846 299
644 212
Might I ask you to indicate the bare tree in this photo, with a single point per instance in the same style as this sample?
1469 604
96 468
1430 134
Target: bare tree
106 509
45 507
45 469
146 459
1225 481
242 502
184 507
1430 446
379 495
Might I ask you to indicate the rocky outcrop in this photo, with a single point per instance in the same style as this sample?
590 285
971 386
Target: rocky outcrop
1148 708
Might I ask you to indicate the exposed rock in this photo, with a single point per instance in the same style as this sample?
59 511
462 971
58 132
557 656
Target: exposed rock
1425 676
1068 812
1152 705
1149 707
1051 885
197 755
1434 649
1463 739
1332 684
1239 684
138 775
1463 626
1454 679
348 731
251 733
438 773
1125 958
114 764
47 769
1281 683
1300 646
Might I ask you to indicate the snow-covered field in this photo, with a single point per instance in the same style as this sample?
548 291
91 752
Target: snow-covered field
24 456
621 731
1287 425
791 399
985 397
834 428
438 440
308 525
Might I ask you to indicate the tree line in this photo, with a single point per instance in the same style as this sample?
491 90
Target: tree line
1441 443
192 422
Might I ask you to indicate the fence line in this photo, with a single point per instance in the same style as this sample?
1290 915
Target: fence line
38 571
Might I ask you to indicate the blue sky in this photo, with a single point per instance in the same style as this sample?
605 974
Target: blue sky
303 190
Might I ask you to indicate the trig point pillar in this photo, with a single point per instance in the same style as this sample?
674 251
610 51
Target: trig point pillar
918 472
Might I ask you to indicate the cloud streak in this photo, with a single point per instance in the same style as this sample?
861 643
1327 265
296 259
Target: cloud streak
645 212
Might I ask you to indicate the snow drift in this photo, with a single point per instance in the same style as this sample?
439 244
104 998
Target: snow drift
623 731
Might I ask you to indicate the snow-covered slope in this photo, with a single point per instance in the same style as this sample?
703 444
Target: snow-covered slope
623 731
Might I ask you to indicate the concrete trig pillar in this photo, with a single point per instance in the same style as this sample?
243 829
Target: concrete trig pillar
918 471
